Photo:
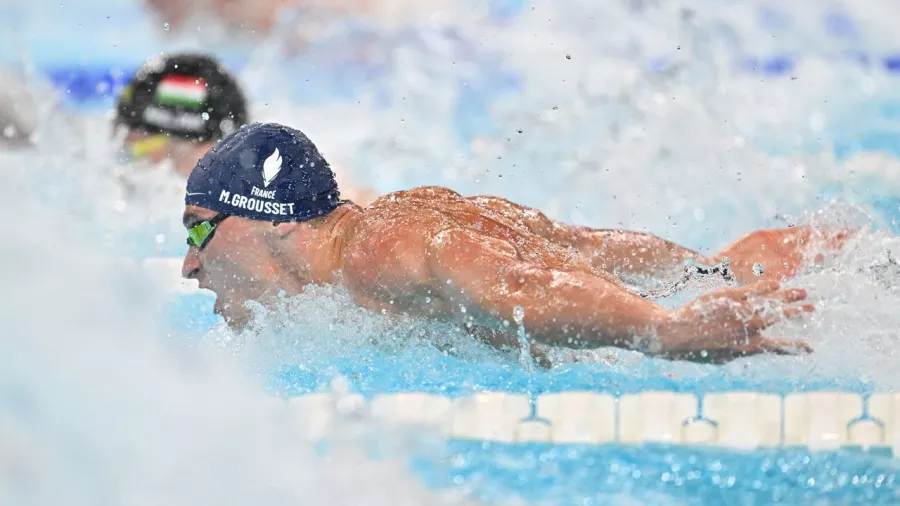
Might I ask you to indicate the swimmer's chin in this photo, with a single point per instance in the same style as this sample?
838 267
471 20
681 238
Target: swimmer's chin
235 320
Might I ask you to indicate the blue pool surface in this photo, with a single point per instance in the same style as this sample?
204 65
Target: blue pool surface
658 474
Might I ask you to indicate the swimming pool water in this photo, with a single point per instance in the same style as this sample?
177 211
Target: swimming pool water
654 474
544 473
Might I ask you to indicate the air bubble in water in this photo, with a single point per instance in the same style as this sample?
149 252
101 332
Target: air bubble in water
758 269
166 26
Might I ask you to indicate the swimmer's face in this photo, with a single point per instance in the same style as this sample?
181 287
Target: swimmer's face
234 263
181 154
153 148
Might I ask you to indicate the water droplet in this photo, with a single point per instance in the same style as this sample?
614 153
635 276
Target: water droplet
520 130
568 57
519 315
704 353
205 116
462 309
758 269
166 26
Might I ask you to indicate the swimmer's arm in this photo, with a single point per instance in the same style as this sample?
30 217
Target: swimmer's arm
619 252
571 309
624 252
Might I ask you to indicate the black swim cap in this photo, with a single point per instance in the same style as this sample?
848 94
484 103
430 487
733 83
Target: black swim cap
186 95
264 171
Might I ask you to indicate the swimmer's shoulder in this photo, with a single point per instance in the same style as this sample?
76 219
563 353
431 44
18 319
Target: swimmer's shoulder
389 247
428 193
395 222
526 217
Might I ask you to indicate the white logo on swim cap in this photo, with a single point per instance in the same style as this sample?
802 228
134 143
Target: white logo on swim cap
271 167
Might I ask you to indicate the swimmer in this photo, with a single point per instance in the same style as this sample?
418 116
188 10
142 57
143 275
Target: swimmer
265 215
176 107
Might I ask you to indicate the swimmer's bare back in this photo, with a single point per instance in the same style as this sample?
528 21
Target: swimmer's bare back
432 252
392 266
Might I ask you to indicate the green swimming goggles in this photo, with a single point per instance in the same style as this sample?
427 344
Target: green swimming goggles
200 234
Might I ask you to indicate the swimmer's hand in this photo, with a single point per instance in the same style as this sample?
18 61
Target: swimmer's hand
728 323
778 254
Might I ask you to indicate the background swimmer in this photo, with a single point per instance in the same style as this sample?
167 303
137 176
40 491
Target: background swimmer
176 107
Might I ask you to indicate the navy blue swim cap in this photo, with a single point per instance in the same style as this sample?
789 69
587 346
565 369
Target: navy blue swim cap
264 171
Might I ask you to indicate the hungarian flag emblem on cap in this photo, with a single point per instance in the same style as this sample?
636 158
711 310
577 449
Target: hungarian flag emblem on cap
181 91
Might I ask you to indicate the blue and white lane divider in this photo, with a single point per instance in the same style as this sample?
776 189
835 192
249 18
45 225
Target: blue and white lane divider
740 420
743 420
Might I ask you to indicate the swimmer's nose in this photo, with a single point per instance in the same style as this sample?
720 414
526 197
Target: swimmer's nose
190 268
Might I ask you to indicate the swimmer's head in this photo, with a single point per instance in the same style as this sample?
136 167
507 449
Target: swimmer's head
175 107
256 209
